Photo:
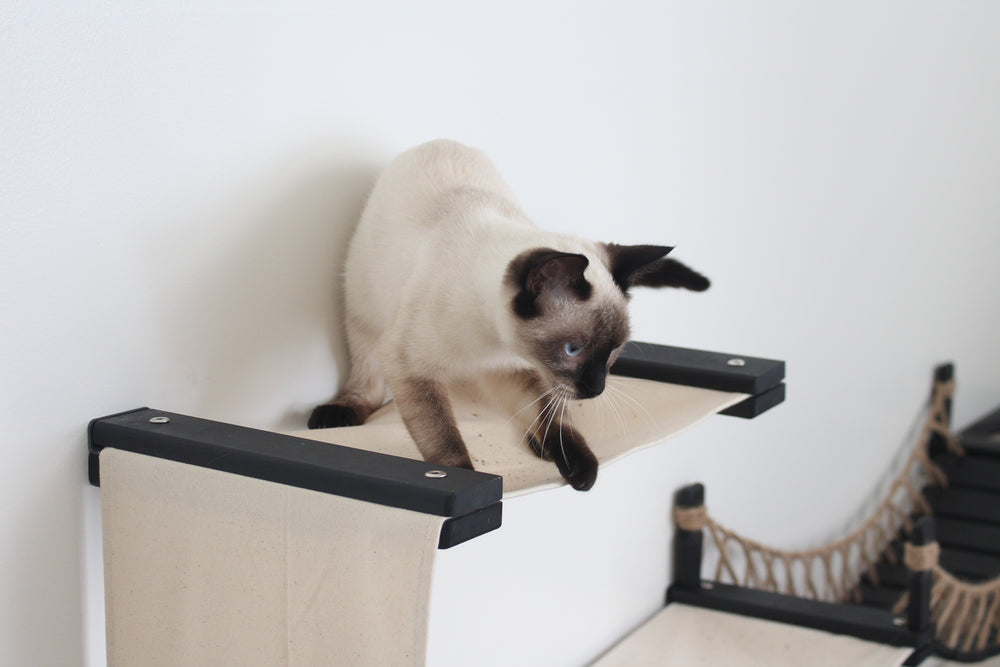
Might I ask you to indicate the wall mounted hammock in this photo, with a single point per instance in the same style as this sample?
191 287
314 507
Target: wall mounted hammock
231 545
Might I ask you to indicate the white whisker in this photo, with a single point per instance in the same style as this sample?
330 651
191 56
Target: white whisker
631 400
599 402
552 416
543 395
616 411
561 445
540 417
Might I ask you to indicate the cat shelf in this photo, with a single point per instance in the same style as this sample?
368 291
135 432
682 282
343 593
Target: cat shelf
228 543
731 385
918 578
714 623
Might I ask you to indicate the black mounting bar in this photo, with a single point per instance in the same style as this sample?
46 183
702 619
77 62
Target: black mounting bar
761 378
878 625
470 500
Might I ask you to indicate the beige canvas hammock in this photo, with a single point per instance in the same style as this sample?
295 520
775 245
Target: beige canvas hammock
634 414
210 567
684 636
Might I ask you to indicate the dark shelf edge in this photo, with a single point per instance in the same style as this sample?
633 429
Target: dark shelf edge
762 378
982 437
368 476
464 528
754 406
868 623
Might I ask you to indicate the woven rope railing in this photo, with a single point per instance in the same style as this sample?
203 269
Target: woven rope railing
966 615
831 573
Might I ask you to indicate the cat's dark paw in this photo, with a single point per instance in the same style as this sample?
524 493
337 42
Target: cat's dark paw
582 473
576 463
331 415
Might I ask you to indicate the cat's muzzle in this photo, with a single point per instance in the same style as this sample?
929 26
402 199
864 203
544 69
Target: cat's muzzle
589 387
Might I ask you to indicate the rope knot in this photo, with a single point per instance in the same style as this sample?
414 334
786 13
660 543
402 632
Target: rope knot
691 518
921 558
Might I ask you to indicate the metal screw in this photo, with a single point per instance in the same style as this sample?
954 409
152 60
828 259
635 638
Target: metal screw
435 474
737 362
899 621
159 420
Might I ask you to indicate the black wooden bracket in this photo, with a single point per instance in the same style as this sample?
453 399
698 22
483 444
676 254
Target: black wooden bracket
763 379
470 499
878 625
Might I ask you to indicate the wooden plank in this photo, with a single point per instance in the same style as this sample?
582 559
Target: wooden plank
964 503
864 622
982 437
967 564
975 472
882 597
968 535
699 368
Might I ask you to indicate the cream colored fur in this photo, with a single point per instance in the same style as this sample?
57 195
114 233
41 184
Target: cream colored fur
424 273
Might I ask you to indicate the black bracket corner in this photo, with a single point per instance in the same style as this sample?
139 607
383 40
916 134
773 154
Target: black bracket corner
762 378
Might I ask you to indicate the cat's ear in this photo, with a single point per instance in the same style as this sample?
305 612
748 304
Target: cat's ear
646 266
557 271
543 273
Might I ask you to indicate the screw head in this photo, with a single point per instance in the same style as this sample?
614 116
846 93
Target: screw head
159 420
737 362
435 474
899 621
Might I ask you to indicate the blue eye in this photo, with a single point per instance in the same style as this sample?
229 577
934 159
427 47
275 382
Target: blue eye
572 350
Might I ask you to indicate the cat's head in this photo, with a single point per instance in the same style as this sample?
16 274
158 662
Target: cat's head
573 328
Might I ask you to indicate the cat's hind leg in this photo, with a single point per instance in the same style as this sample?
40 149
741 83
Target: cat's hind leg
363 393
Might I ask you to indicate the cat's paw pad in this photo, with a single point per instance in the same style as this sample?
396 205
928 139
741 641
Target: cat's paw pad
576 463
582 475
332 415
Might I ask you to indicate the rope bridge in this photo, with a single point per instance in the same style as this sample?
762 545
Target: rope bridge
967 615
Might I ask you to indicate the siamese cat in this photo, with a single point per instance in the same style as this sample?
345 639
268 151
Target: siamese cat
446 277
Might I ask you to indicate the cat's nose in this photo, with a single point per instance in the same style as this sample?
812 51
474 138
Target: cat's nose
591 385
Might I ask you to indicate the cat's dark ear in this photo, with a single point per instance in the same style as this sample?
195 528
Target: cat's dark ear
646 266
542 273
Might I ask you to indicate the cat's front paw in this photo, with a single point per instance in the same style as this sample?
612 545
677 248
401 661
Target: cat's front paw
576 463
331 415
582 473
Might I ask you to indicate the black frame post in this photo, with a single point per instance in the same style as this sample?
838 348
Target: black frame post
688 544
942 373
918 610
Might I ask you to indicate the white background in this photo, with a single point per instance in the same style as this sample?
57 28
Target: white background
178 180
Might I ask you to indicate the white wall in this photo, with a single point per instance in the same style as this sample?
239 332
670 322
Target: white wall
178 180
